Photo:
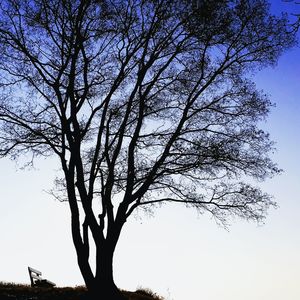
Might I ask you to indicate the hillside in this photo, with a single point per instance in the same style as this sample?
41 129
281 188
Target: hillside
12 291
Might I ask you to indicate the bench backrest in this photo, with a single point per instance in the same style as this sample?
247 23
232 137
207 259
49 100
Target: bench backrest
34 275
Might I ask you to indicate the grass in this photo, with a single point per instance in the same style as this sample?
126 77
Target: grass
13 291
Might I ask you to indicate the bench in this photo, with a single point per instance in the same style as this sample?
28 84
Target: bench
37 280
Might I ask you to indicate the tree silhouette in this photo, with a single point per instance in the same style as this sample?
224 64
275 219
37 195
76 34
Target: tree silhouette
143 102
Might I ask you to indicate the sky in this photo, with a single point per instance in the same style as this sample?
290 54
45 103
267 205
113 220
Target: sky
176 253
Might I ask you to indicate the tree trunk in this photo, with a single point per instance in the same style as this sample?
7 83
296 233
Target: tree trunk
103 287
105 290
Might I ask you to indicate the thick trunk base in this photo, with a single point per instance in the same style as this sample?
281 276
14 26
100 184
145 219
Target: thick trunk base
105 292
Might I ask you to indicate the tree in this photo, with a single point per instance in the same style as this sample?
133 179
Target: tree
143 102
295 14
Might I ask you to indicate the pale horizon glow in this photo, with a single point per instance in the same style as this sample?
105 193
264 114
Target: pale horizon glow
176 253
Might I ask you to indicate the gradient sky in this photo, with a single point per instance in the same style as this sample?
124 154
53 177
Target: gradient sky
176 253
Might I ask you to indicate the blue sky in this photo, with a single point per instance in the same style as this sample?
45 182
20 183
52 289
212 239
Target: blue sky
176 253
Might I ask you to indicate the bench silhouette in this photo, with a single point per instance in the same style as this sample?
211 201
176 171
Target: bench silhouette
37 280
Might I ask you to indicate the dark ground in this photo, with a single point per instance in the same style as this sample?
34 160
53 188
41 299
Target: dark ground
12 291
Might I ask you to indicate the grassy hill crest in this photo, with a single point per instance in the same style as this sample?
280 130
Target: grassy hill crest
13 291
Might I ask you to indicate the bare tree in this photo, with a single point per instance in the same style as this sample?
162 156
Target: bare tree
143 102
295 13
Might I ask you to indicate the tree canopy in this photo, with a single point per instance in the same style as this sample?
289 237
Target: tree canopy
143 102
